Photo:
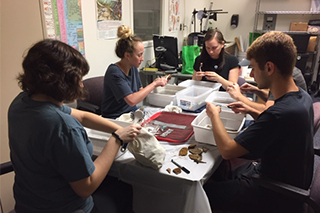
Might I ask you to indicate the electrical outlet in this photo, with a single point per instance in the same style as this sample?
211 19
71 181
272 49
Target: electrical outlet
269 22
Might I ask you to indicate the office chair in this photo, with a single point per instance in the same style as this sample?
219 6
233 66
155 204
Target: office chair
4 169
312 196
92 101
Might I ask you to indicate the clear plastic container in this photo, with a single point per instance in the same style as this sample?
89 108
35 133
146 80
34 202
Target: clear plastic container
193 97
189 82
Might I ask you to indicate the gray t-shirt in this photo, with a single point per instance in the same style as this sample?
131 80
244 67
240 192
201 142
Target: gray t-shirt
298 79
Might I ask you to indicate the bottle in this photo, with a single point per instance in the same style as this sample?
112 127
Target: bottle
195 40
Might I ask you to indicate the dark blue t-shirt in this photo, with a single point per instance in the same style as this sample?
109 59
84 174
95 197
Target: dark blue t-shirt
49 149
282 137
116 87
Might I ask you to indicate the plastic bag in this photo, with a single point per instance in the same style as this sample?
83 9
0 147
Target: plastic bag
189 54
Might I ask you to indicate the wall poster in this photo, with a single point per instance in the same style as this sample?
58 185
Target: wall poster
174 15
62 20
109 16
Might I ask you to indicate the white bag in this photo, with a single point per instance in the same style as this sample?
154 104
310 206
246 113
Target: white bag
147 150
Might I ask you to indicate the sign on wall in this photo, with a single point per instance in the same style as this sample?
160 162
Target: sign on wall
62 20
109 16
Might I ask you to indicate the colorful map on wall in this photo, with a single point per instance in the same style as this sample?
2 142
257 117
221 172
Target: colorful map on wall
63 21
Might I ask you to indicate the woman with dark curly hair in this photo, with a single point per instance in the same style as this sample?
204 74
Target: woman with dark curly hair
49 148
214 64
122 86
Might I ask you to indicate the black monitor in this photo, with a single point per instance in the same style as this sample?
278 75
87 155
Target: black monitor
166 52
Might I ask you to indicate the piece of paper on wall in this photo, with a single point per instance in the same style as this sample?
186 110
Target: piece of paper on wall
62 21
109 17
315 5
174 15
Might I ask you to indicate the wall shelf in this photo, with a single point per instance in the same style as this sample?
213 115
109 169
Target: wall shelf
313 55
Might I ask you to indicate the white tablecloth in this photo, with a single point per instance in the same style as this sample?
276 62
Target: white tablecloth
157 190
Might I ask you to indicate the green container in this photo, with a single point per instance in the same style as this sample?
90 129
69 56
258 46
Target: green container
253 36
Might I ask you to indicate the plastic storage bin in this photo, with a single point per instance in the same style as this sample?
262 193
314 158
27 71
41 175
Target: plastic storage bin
202 126
193 97
162 96
220 97
189 82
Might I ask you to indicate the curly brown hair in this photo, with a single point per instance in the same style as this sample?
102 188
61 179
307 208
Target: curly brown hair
276 47
53 68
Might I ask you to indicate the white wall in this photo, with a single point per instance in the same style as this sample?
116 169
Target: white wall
20 27
100 53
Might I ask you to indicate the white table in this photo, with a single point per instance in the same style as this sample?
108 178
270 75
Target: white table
157 190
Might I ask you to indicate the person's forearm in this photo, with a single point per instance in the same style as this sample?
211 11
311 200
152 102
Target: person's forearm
93 121
97 122
135 98
257 106
263 94
225 83
255 113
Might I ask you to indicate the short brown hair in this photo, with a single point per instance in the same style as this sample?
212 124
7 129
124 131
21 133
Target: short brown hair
53 68
276 47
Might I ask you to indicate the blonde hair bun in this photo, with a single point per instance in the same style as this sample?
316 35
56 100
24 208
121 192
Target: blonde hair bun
124 32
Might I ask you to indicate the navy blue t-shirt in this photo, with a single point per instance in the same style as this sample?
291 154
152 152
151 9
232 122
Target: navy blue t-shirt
116 87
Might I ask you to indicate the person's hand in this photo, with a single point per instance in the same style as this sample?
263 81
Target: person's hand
199 75
248 88
212 110
160 81
234 91
129 133
212 76
239 107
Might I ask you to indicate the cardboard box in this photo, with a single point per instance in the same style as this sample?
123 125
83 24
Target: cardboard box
298 26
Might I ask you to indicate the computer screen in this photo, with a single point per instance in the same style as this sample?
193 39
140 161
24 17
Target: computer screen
166 52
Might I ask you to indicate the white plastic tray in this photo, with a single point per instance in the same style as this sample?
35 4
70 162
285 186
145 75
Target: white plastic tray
202 126
162 96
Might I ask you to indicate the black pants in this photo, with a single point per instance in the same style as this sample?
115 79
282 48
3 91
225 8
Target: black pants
113 196
238 193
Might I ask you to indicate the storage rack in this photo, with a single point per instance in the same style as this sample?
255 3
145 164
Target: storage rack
314 54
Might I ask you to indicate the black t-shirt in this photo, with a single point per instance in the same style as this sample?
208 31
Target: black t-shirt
282 137
211 64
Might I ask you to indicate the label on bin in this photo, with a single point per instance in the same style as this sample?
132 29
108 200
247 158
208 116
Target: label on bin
185 103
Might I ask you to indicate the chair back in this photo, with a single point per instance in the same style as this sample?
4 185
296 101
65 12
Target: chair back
94 86
315 189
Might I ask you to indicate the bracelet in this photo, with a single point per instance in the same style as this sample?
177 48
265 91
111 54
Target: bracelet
117 137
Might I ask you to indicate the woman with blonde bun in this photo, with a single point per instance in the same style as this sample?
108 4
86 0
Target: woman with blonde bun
122 85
